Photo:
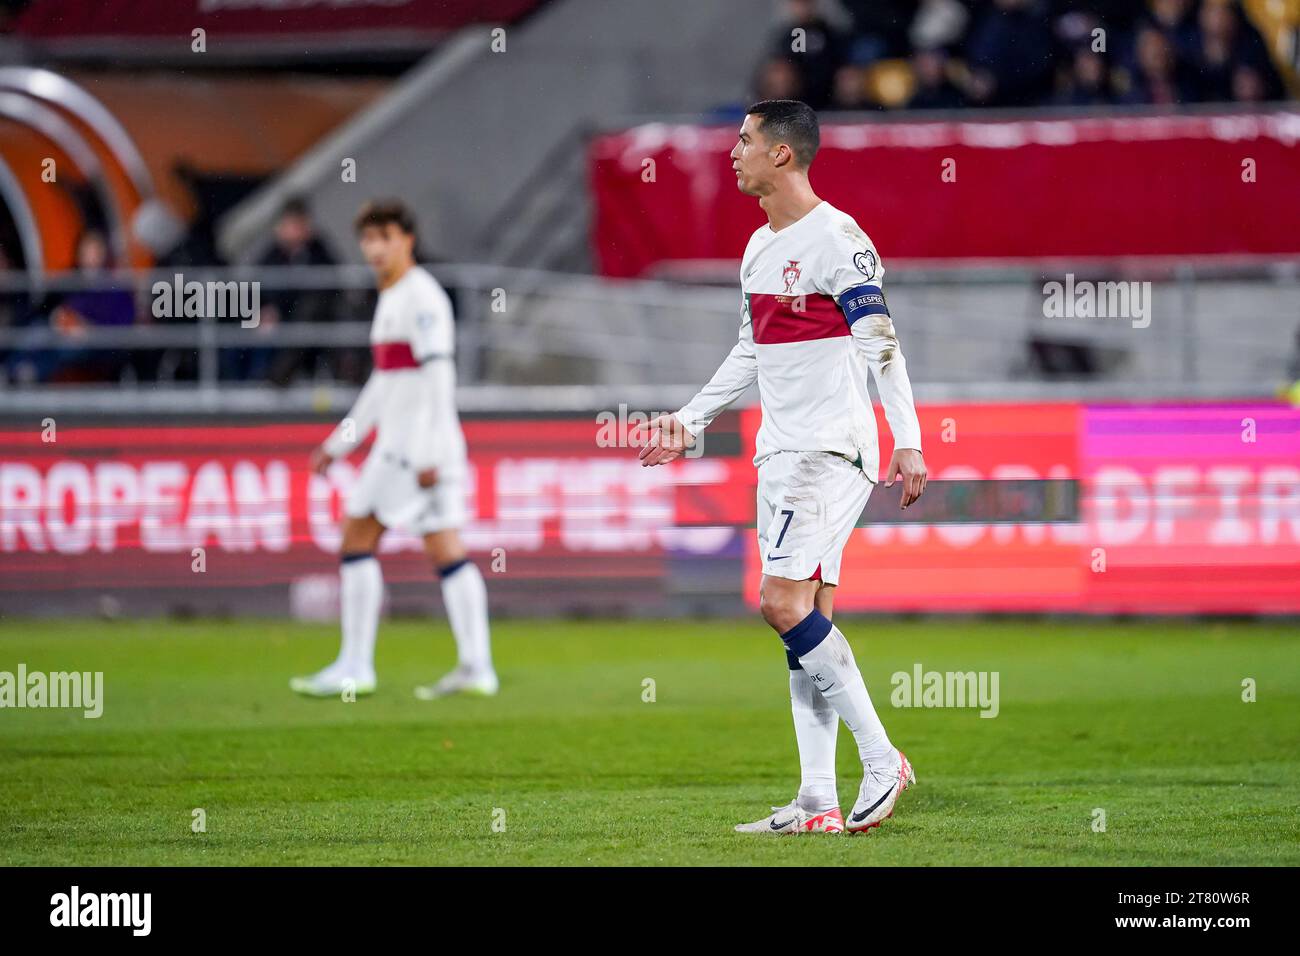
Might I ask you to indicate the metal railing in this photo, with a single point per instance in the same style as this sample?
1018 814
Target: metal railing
1215 328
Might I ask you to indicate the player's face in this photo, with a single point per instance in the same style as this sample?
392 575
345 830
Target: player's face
386 248
751 158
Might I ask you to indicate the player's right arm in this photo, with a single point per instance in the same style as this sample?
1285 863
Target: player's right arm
352 431
671 435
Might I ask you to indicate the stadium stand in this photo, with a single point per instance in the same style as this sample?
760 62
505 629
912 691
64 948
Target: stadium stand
182 169
946 54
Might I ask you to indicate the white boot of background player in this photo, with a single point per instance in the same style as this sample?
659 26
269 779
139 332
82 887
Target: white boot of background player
361 597
465 597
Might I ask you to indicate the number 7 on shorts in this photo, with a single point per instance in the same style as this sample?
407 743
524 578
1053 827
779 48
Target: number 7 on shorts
785 527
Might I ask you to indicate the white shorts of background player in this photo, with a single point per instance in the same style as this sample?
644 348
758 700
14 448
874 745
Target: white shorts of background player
388 489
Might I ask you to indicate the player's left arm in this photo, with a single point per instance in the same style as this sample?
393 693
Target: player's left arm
878 342
428 436
429 439
857 283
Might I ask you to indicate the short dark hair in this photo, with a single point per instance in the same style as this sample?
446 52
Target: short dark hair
381 212
295 206
791 122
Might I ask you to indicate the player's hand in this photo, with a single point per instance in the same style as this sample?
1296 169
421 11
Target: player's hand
320 460
908 464
427 478
666 440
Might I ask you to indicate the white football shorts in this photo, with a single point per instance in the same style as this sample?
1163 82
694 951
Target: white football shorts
388 489
808 505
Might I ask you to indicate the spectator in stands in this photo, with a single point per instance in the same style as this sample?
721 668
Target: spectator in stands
880 29
778 79
1009 51
296 243
196 250
850 90
105 306
198 247
938 24
1114 15
1014 53
1226 42
934 89
815 48
1176 19
100 305
1248 85
1088 83
1157 78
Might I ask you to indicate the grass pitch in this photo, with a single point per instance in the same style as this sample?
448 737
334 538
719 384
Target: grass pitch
1143 720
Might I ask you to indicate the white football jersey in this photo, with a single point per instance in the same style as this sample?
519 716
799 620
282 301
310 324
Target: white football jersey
409 398
813 321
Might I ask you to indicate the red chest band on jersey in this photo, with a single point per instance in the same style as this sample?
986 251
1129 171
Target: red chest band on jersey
393 355
795 318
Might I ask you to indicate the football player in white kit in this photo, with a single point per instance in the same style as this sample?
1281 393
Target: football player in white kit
813 324
414 477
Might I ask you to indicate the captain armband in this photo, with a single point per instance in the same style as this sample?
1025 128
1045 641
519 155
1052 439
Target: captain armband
861 301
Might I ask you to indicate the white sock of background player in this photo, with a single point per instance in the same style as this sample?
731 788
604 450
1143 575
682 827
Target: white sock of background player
828 660
465 596
361 594
816 728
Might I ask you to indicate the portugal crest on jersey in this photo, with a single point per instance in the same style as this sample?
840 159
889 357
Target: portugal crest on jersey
791 275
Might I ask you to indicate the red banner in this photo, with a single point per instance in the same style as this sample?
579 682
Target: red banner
1183 509
173 20
552 502
1027 189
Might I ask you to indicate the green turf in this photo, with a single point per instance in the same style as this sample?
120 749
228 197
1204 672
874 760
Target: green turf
1144 720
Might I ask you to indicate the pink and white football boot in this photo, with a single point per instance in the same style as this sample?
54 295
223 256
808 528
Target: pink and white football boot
880 790
794 820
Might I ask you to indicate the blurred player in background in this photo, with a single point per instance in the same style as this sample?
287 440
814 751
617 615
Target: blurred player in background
414 477
814 320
